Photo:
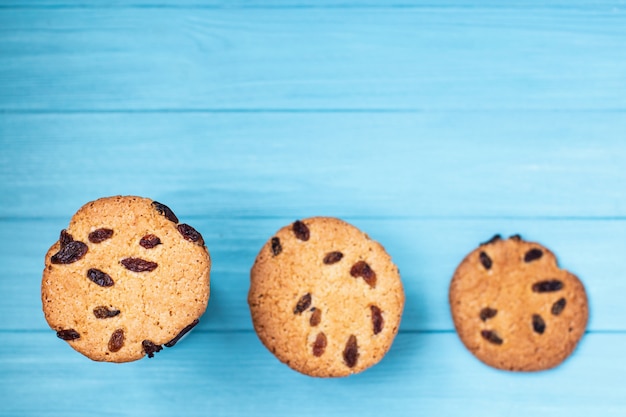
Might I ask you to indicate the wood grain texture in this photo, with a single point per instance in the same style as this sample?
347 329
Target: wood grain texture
483 164
231 374
614 5
321 58
429 125
426 251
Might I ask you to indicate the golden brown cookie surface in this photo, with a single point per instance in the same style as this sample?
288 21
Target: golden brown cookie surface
514 308
325 298
124 279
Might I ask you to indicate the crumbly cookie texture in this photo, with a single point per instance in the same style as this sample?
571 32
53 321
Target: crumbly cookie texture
325 299
514 308
125 279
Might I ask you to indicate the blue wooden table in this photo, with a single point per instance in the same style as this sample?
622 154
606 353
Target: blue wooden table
429 125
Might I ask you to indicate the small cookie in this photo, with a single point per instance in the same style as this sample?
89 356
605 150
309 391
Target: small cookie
514 308
325 298
124 279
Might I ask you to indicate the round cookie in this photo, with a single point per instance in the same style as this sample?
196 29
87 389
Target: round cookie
514 308
125 279
325 299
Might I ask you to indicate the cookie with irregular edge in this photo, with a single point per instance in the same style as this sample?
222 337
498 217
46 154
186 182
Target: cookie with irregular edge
125 279
325 299
514 308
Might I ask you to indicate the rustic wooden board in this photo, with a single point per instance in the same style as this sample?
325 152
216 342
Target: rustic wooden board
231 374
431 126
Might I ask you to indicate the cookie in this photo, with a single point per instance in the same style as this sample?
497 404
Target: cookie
514 308
125 279
325 299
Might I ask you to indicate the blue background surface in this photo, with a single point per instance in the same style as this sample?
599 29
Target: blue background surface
429 125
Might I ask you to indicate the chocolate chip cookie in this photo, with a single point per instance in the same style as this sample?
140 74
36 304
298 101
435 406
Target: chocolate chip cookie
514 308
325 299
125 279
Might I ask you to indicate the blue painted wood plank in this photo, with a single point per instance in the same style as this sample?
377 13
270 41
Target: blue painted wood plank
302 4
427 252
477 164
325 58
232 374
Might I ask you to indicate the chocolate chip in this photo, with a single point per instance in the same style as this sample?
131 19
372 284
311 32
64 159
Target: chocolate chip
103 312
377 319
351 352
276 246
151 348
116 341
488 313
363 270
485 260
183 332
547 286
69 334
139 265
494 239
332 257
149 241
533 255
558 306
190 234
316 317
319 346
165 211
303 304
516 238
100 278
301 230
69 253
100 235
539 326
491 336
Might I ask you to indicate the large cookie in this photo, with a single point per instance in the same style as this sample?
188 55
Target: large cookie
514 308
124 279
325 298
